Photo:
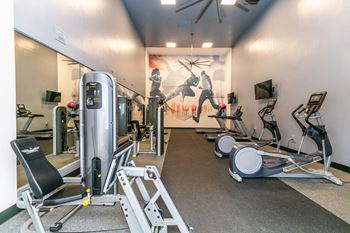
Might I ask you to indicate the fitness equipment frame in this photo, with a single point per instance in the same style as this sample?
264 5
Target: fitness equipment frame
60 131
22 112
239 127
248 161
223 128
98 139
124 115
103 167
139 134
44 196
225 142
155 128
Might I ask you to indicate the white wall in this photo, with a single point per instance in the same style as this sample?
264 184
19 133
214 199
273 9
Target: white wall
8 106
304 47
98 34
68 76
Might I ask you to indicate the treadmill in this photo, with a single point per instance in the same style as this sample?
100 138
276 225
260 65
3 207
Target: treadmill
222 129
269 125
240 131
22 112
210 130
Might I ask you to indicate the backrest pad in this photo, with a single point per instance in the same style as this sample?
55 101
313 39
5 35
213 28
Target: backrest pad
42 176
136 126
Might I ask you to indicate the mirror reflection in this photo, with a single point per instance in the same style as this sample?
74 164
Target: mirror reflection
47 92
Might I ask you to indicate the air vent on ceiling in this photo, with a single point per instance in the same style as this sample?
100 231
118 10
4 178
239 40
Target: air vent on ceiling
252 2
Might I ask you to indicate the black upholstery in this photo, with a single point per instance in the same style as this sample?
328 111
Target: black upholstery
42 177
77 126
68 193
140 132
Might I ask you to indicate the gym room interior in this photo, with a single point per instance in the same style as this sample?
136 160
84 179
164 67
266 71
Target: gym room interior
156 116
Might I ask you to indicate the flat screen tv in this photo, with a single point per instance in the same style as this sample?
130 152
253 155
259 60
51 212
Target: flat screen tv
263 90
53 96
231 98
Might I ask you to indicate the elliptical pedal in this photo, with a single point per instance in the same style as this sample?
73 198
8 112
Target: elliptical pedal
292 167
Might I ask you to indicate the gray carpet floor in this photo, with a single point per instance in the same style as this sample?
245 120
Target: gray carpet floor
211 201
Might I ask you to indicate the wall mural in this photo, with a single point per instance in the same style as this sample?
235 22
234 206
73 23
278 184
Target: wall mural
192 91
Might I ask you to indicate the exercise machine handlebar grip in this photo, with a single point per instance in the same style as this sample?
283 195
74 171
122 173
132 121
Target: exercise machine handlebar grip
303 128
320 130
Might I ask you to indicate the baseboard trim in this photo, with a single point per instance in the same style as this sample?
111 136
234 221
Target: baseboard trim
180 128
8 213
340 167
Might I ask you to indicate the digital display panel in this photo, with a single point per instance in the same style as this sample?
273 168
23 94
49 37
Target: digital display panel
93 95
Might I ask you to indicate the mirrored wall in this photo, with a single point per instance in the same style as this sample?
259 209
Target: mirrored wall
47 92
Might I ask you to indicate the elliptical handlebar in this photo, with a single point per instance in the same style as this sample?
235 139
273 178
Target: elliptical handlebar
262 113
320 130
268 109
238 113
294 115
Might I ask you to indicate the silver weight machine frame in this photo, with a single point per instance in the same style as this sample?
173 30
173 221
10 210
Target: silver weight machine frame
116 171
156 131
147 219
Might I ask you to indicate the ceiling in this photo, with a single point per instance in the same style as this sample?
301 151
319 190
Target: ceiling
182 51
158 24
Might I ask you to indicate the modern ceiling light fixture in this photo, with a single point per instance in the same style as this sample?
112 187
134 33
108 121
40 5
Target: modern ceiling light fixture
168 2
228 2
190 3
207 45
170 44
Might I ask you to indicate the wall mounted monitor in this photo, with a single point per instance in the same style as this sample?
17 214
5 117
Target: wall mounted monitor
263 90
53 96
231 98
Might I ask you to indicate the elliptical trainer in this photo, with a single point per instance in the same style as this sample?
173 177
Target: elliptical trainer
248 161
225 142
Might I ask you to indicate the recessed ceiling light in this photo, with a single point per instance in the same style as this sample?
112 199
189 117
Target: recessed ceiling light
168 2
228 2
207 45
170 44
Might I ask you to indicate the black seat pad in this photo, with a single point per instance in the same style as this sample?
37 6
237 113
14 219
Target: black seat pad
140 131
70 192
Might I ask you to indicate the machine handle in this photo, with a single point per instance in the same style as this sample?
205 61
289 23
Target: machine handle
302 110
301 125
238 113
320 130
262 114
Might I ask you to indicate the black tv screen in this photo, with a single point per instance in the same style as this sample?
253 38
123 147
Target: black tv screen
263 90
231 98
53 96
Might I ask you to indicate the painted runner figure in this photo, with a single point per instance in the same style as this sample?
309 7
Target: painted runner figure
185 88
156 82
207 93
